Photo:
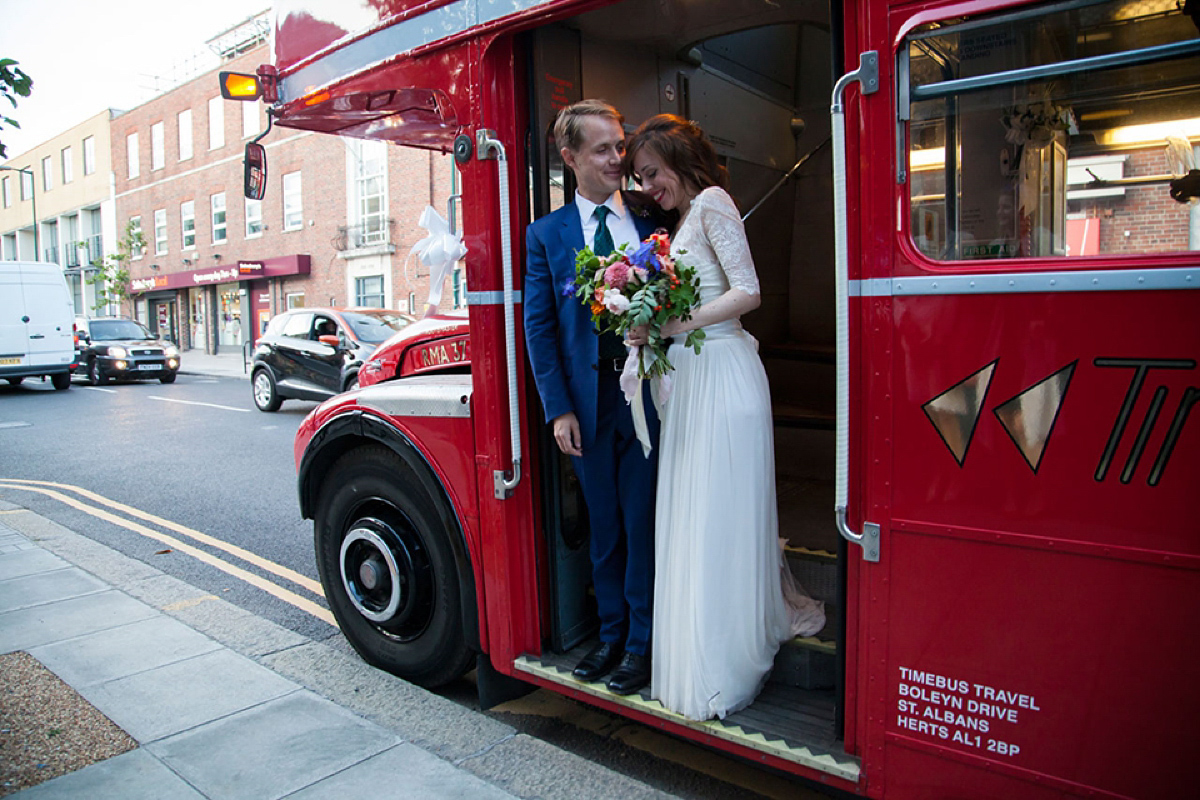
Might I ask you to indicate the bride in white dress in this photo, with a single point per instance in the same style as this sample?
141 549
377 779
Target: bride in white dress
719 610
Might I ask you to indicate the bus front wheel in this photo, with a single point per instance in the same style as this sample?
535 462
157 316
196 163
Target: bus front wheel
388 569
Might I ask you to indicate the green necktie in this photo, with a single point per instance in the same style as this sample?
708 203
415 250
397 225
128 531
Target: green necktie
603 243
611 346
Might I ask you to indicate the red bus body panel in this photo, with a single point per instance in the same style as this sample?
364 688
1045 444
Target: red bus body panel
1029 630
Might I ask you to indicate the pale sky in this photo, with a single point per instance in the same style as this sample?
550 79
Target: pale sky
85 56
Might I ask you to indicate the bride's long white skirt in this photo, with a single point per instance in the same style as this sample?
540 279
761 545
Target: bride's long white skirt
719 613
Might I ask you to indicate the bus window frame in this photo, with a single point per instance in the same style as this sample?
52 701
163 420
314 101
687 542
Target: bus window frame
975 9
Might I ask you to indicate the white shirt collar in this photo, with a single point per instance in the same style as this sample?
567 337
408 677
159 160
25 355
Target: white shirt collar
587 208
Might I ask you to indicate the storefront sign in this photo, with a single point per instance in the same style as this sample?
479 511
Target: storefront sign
148 284
245 270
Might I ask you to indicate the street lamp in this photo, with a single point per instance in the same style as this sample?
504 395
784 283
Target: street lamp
37 251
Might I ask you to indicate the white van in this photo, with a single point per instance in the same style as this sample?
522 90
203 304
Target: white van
37 321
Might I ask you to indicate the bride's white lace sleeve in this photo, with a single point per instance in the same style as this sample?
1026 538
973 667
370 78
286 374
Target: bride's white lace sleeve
723 226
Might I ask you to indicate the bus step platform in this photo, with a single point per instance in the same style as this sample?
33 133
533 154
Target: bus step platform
786 722
806 662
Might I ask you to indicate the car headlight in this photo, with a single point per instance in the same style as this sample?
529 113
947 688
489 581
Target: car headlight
118 352
171 351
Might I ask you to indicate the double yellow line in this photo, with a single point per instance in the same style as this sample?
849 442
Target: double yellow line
94 508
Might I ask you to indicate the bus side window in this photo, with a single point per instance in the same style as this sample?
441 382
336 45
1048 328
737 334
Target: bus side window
1067 162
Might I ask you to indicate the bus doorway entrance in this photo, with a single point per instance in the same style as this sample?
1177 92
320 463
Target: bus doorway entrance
759 85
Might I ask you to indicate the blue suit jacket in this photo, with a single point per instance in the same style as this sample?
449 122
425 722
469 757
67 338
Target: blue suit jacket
559 333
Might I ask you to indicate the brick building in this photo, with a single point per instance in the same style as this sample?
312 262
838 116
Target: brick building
338 220
1127 219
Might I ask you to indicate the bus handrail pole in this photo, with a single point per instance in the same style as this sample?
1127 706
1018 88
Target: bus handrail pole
868 75
506 482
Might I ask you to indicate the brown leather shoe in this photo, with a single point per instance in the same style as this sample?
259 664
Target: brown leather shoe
598 662
630 675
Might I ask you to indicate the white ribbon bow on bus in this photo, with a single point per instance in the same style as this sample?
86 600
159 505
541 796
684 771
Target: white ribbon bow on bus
439 251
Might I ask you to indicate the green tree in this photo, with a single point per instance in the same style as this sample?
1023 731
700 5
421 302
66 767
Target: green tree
14 83
111 278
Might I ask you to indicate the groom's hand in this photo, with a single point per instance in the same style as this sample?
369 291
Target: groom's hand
566 433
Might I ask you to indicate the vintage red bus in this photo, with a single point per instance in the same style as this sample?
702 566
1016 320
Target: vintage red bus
980 323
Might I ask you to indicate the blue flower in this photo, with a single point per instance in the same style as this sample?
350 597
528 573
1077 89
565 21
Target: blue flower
568 288
644 257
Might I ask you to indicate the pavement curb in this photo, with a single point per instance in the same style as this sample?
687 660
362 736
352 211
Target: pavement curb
467 740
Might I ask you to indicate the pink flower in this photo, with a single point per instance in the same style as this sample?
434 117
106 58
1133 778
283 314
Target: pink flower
617 275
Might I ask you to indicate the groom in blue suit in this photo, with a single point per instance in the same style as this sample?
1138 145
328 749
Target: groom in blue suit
577 373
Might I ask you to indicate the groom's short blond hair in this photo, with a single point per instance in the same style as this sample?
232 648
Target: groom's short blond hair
568 132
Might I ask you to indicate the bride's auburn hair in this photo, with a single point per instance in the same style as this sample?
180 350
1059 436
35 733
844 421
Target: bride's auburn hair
684 149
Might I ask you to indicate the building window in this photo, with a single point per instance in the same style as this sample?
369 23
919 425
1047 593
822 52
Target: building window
26 185
185 134
132 157
217 203
293 211
412 302
187 219
7 195
249 119
160 231
368 291
370 168
295 300
47 174
68 168
254 226
135 231
216 122
89 155
158 146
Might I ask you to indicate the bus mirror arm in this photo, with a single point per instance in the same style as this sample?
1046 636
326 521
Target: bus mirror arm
487 148
867 75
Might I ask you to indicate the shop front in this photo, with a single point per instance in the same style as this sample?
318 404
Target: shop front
215 309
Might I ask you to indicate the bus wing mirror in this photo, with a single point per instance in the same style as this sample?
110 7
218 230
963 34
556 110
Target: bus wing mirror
255 181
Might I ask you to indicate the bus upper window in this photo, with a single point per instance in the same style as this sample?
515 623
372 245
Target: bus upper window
1053 131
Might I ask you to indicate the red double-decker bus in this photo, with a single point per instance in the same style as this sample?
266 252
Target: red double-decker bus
975 230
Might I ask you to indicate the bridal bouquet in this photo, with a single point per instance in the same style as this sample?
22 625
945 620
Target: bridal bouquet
643 287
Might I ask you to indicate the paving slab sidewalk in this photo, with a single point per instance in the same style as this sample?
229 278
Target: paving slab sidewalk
227 705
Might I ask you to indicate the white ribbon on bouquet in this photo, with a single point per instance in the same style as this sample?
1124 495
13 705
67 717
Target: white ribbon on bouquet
439 251
631 385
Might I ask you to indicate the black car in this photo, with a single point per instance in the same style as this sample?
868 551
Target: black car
315 353
115 348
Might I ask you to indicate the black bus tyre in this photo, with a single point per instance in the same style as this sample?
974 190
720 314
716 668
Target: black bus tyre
266 396
96 376
61 380
388 569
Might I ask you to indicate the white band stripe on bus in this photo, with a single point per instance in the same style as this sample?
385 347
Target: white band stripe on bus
1122 280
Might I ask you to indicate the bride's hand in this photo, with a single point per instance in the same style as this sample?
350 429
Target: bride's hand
637 335
673 327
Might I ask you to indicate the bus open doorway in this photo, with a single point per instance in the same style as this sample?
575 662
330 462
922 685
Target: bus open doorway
758 83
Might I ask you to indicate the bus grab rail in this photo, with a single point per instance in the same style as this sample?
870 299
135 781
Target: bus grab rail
867 75
487 147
